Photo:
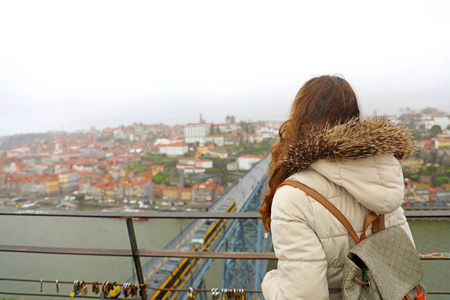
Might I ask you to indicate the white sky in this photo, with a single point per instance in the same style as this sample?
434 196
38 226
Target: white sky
67 65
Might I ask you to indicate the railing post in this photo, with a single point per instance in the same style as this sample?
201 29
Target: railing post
259 244
136 259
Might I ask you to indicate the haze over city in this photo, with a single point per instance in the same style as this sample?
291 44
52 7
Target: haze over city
72 65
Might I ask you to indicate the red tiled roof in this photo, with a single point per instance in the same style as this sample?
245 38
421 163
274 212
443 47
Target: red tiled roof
190 124
171 145
253 156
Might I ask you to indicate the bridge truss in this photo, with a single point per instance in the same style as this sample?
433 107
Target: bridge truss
247 235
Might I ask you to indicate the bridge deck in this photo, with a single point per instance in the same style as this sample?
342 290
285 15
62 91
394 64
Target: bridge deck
240 192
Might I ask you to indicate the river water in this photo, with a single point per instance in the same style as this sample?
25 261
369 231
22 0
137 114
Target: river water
430 236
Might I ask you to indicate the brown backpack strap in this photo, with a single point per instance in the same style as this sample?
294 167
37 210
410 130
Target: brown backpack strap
376 221
327 204
379 224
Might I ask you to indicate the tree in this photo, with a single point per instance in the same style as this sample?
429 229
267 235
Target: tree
435 129
247 127
79 197
440 180
159 179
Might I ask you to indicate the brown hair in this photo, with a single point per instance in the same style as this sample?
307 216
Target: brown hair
322 101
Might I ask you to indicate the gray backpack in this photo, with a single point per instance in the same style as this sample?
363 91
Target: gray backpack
384 265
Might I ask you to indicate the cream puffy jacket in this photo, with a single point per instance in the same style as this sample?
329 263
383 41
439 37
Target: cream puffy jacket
309 242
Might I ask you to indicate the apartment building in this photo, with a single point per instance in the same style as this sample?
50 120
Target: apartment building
206 191
245 162
178 149
196 132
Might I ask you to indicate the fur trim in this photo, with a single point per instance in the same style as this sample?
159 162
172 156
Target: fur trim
353 140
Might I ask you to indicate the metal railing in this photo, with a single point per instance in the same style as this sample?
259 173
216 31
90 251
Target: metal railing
136 254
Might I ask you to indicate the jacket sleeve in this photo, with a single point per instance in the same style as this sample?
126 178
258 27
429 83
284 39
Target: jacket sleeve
302 265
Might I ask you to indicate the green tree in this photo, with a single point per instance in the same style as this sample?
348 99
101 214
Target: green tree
79 197
440 180
247 127
435 129
159 179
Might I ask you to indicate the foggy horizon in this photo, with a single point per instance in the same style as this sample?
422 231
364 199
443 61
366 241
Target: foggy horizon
70 66
99 127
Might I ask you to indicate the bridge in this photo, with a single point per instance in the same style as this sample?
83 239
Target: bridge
232 235
230 230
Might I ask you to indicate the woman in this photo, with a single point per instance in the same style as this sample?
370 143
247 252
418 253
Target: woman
352 163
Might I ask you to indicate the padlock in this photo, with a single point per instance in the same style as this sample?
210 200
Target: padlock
75 289
115 291
125 289
134 290
243 295
105 291
224 294
215 294
191 295
95 287
83 289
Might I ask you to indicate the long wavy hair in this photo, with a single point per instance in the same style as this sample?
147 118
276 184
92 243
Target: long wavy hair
321 101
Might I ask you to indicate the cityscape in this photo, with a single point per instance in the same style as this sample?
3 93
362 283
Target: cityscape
134 167
182 167
136 138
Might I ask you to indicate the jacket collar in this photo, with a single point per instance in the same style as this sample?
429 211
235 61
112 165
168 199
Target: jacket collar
353 140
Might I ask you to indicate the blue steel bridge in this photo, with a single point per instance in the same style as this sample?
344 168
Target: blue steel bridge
228 235
229 231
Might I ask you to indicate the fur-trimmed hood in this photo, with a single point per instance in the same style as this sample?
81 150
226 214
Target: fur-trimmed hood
353 140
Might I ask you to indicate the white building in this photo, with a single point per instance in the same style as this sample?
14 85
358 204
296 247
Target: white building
187 161
192 165
162 141
267 132
429 122
178 149
196 132
217 140
245 162
176 138
443 122
204 163
232 166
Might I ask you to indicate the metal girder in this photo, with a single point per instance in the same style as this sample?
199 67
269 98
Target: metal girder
248 236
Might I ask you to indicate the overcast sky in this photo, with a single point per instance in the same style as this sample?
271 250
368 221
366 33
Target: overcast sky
68 65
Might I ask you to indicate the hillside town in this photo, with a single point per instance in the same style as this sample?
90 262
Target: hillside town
139 166
427 172
181 167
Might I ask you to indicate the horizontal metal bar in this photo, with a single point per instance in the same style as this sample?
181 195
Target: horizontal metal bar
434 256
121 284
170 253
124 215
70 251
427 213
44 295
170 290
182 215
438 293
205 254
142 253
38 280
